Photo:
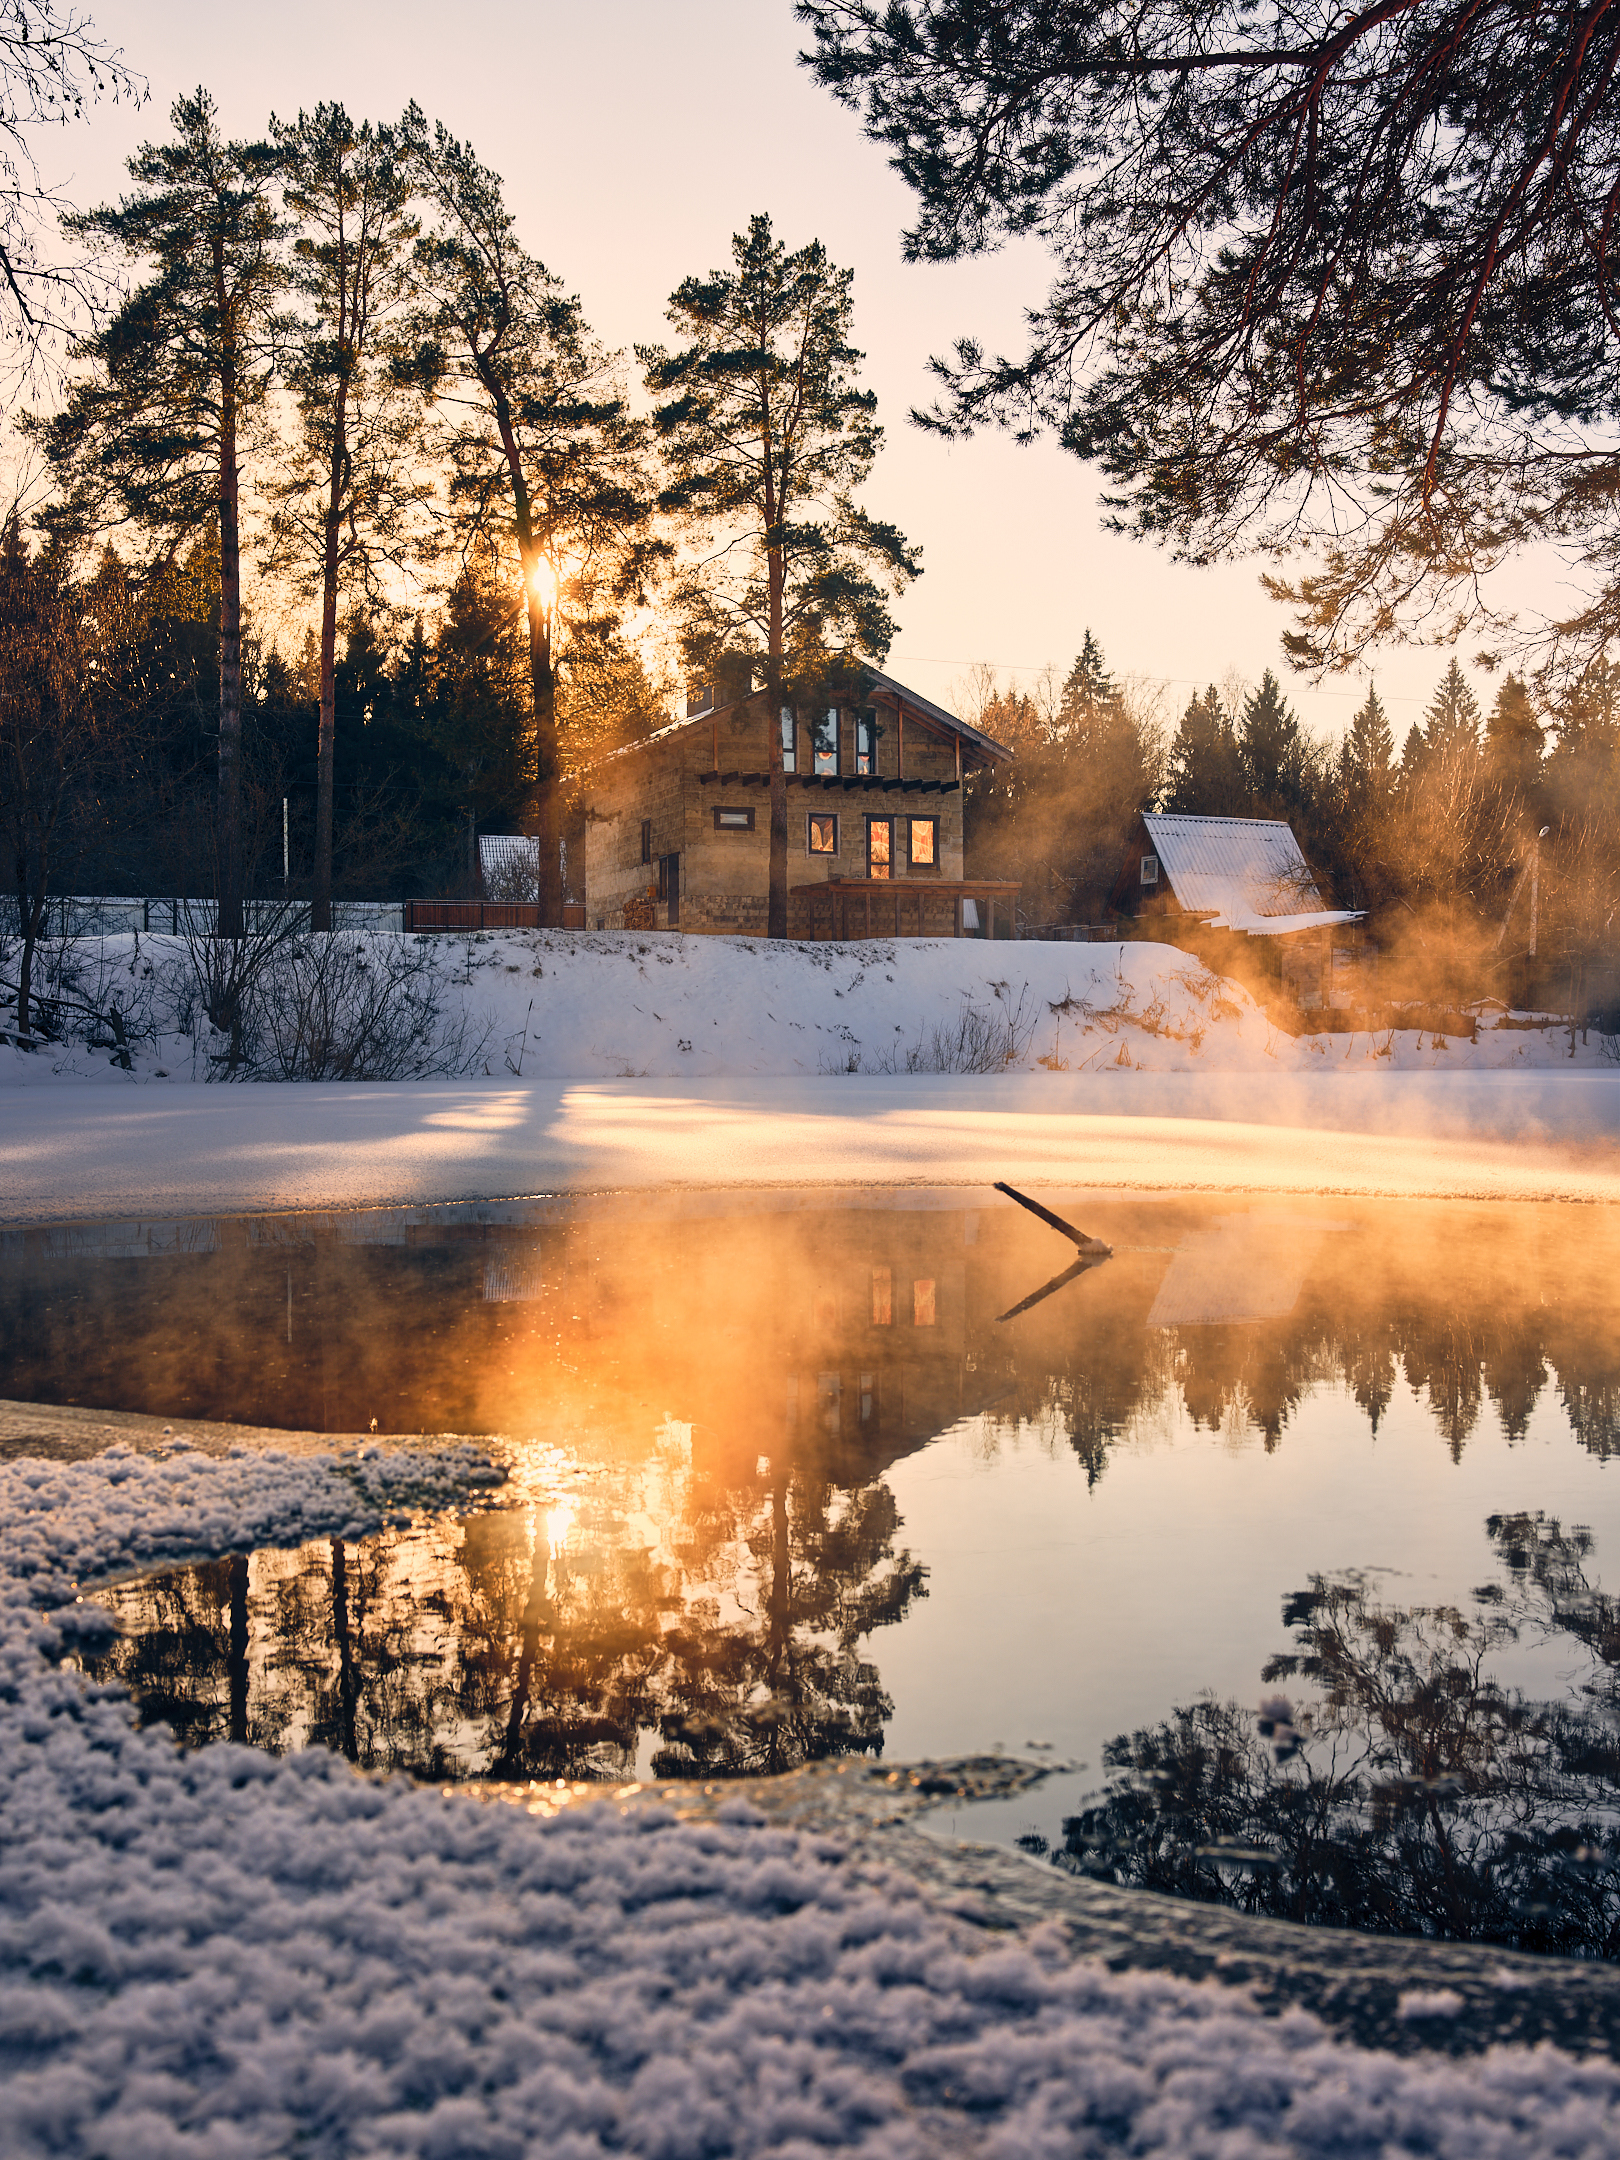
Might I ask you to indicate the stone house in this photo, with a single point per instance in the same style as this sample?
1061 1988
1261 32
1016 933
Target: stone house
677 826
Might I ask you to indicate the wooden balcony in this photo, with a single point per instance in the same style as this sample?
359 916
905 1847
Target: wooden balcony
904 907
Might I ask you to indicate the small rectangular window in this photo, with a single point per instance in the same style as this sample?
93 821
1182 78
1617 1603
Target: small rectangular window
868 1397
1150 869
925 842
879 846
790 753
822 836
882 1297
866 741
646 839
824 744
922 1301
733 820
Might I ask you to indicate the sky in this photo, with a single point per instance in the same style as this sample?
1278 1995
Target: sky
634 137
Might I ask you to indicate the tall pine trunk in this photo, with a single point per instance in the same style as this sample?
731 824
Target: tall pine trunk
776 910
543 811
229 840
320 904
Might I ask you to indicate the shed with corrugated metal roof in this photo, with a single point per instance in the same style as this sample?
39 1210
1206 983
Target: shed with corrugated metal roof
1243 874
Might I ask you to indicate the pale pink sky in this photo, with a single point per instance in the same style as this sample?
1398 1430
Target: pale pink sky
635 136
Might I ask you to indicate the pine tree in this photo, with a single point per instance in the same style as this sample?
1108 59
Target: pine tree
1451 721
1089 691
1272 750
1367 759
1206 768
768 434
154 433
351 485
1414 754
538 436
1514 739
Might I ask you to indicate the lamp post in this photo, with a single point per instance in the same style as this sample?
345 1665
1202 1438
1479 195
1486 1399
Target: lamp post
1535 886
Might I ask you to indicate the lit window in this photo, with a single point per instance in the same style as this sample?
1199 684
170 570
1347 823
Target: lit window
824 743
925 841
882 1297
866 742
879 846
823 836
790 755
730 820
1150 869
922 1301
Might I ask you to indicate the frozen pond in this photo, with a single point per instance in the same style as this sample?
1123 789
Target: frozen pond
1288 1525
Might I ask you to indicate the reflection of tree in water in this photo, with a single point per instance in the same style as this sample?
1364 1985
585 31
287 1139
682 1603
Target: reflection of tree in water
494 1649
768 1673
1097 1370
1415 1795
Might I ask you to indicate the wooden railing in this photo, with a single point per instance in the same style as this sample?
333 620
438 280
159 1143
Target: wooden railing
899 907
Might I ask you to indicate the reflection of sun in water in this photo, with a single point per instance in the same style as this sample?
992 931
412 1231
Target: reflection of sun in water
559 1522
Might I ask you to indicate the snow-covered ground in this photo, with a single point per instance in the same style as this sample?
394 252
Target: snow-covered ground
655 1005
647 1060
224 1955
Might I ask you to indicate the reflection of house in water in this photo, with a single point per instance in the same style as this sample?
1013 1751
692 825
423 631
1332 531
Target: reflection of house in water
1238 1268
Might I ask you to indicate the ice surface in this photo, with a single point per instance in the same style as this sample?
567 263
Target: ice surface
226 1955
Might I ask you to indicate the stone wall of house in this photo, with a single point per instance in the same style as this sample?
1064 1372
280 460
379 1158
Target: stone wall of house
724 870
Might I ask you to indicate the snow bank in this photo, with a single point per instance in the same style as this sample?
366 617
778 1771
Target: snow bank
655 1005
227 1956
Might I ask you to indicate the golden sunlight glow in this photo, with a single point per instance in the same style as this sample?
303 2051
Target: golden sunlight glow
559 1522
545 583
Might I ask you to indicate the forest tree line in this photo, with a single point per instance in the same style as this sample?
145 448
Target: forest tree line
1478 837
335 365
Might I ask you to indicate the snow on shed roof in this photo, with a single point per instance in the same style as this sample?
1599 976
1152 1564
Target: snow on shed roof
1244 873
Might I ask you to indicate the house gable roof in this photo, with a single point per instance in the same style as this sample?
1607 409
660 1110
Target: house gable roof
1242 873
983 748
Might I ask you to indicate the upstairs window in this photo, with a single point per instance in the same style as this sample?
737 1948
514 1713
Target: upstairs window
924 1308
733 820
882 1297
790 754
822 836
646 840
1150 869
866 741
824 744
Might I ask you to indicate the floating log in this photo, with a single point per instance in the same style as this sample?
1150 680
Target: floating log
1056 1222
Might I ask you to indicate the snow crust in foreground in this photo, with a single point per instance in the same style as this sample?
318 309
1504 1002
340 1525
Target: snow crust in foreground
227 1955
656 1005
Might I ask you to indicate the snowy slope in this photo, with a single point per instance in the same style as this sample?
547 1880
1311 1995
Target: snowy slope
655 1005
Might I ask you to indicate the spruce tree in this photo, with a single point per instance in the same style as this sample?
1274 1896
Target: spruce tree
767 435
1367 760
349 491
153 432
1451 720
1206 769
1272 750
1514 738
